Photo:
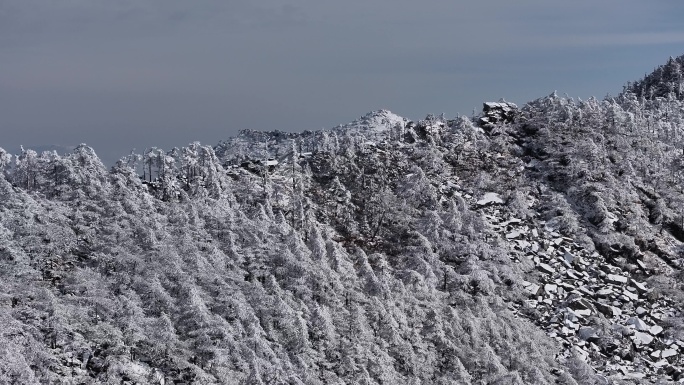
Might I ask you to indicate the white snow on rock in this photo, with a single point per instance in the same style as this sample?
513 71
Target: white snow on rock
490 198
373 124
642 338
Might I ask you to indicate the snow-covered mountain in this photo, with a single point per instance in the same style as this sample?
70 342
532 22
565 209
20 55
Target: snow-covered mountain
531 245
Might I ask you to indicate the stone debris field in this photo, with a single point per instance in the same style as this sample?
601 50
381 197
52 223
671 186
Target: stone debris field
593 308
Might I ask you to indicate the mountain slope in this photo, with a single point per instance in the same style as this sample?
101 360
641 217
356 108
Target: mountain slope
543 247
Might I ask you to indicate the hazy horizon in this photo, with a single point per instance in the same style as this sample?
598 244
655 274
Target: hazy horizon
129 75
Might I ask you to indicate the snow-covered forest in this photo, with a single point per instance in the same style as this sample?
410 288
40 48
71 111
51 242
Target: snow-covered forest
539 244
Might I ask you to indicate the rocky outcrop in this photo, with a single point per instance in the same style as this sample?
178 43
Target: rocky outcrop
496 113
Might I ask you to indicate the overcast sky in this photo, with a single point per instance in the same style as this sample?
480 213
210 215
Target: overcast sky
128 74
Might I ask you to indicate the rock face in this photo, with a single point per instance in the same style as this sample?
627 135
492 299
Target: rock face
592 307
497 112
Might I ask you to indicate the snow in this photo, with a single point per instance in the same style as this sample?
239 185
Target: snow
490 198
249 268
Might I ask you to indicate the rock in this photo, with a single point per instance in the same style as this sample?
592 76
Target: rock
531 303
631 296
660 363
640 338
625 354
513 221
641 265
523 244
497 112
640 310
544 268
617 279
571 325
668 353
608 310
532 288
561 292
566 286
587 334
570 315
655 354
641 288
572 274
586 291
655 330
549 288
583 312
609 347
568 259
603 293
638 324
581 303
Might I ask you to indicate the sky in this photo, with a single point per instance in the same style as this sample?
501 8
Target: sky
130 74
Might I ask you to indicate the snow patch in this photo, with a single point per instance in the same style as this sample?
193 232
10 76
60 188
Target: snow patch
490 198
